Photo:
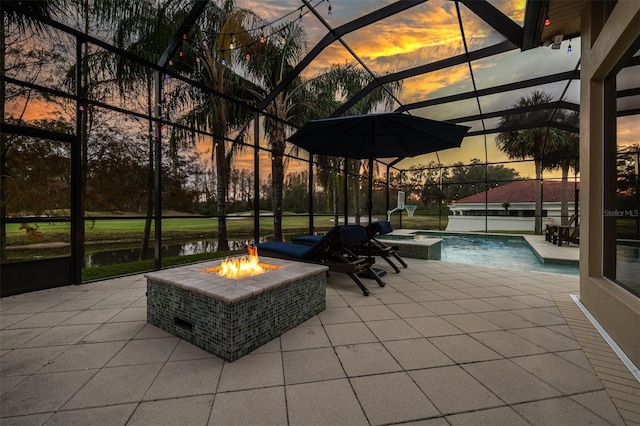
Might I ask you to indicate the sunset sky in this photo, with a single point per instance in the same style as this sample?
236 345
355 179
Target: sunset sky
425 34
428 33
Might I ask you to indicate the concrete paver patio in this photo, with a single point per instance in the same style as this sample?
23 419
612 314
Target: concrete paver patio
441 344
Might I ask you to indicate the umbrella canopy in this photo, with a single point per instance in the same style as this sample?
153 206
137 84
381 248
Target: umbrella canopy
377 136
381 135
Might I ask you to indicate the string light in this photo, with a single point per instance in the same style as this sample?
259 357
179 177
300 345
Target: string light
260 30
547 21
262 38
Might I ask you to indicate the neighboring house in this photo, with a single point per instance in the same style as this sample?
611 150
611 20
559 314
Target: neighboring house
472 214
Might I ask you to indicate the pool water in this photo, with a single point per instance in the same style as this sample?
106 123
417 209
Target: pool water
495 251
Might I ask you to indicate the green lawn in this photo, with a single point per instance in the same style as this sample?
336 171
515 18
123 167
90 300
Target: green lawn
52 239
111 230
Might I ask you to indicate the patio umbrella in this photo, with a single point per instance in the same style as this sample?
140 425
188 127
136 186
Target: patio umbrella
377 136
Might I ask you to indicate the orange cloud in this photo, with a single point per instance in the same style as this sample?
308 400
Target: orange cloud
628 130
424 86
31 109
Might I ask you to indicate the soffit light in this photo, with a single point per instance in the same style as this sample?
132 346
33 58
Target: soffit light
557 41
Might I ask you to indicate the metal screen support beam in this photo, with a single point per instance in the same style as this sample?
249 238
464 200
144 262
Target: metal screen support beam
567 75
486 52
498 20
346 190
256 177
335 34
157 173
77 181
172 48
311 226
387 195
514 111
185 28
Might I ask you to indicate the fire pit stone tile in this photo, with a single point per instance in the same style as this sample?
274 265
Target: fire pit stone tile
230 318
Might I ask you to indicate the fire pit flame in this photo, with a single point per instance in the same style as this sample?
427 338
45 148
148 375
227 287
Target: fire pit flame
242 267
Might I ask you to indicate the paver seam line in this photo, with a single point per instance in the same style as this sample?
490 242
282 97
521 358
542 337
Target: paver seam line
364 413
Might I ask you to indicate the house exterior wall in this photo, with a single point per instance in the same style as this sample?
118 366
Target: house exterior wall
604 43
490 223
470 217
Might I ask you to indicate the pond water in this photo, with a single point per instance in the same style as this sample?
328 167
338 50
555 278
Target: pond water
114 257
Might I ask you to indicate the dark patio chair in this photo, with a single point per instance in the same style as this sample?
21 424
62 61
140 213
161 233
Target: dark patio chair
332 250
380 248
370 247
568 234
551 232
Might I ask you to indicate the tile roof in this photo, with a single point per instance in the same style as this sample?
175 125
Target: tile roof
521 191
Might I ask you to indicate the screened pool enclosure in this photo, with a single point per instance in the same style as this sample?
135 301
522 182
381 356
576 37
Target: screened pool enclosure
135 132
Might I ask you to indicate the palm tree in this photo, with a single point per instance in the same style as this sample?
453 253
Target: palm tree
210 49
564 155
272 61
524 138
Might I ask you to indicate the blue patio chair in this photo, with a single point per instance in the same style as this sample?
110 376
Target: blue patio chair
370 247
332 250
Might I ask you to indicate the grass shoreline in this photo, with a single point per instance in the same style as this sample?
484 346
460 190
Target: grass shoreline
53 239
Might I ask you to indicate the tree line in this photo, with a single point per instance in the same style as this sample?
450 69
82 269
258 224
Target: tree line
240 58
214 54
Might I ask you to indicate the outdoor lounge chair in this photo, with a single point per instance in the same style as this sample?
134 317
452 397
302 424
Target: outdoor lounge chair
331 250
381 249
569 234
551 233
370 247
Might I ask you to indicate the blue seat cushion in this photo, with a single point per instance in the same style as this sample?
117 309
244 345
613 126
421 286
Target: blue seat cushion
353 235
295 251
384 227
306 239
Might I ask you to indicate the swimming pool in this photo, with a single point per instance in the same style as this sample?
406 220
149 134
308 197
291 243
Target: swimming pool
497 251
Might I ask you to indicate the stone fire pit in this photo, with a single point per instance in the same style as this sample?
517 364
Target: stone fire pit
229 317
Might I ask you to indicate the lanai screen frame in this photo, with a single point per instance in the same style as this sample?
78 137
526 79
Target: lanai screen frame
516 38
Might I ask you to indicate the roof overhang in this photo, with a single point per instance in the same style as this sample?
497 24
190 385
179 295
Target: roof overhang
564 22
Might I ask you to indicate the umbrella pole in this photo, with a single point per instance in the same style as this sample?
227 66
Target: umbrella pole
370 195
